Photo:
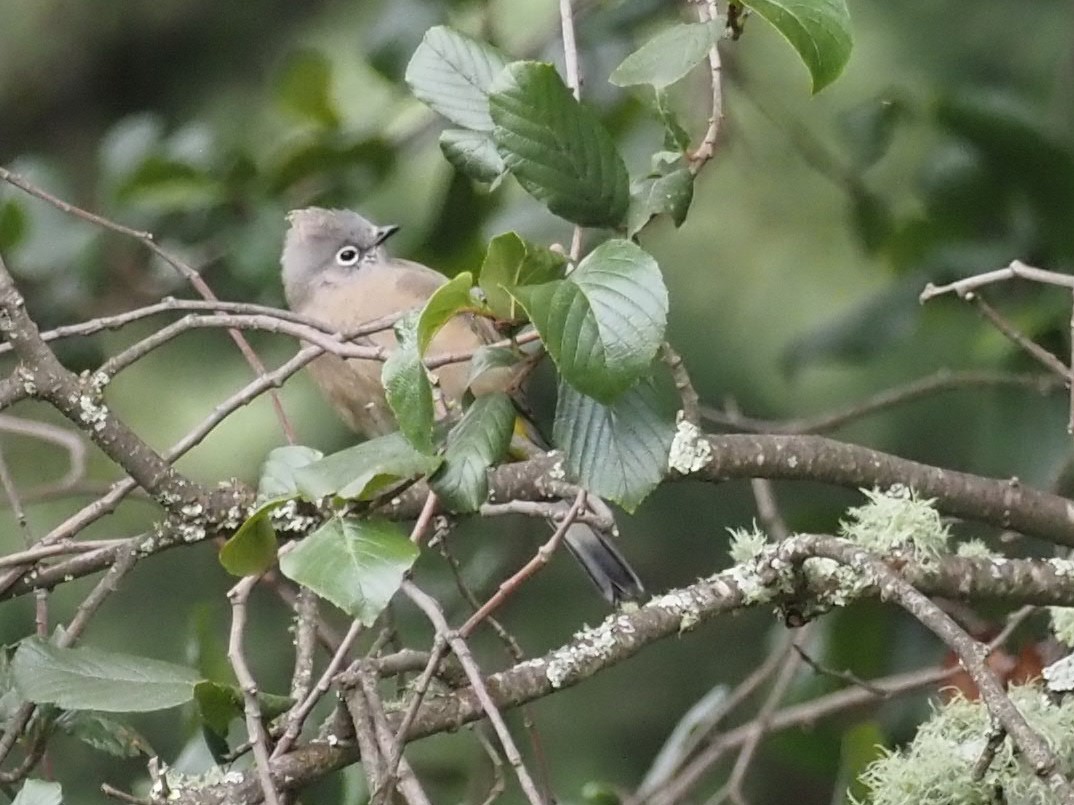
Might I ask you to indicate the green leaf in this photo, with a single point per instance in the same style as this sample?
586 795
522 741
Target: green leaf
869 128
473 153
866 329
407 387
511 262
92 679
489 368
819 30
871 218
478 441
675 136
14 225
252 549
618 451
668 56
355 564
38 792
654 195
104 733
164 185
277 479
557 148
452 73
365 470
305 89
219 705
862 744
448 300
603 324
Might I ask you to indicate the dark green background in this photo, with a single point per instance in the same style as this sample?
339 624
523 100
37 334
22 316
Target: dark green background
793 290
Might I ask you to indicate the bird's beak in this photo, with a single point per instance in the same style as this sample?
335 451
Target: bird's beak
385 232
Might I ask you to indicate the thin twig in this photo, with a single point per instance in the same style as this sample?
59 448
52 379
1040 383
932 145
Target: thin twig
239 596
972 655
397 769
707 11
123 796
1020 339
763 721
691 402
170 304
421 687
846 676
44 431
298 715
1016 269
940 381
184 270
11 492
517 655
574 81
539 560
305 620
694 728
498 781
432 611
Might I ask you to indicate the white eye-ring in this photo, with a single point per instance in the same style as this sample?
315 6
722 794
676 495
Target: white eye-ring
348 256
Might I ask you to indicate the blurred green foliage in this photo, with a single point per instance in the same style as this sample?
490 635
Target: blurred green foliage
946 149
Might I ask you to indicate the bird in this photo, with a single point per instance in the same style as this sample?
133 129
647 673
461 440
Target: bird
337 270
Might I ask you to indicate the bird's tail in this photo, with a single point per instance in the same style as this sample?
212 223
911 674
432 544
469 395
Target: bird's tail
595 552
603 563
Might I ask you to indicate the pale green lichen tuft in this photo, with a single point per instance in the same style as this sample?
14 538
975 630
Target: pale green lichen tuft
1060 675
1063 624
975 549
746 544
937 767
897 519
690 451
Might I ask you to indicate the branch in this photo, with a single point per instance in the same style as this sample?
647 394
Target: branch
940 381
972 655
184 270
622 635
1004 504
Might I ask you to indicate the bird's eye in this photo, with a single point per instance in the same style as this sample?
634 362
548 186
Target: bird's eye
347 256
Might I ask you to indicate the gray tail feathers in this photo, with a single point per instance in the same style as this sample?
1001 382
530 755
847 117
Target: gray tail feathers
603 563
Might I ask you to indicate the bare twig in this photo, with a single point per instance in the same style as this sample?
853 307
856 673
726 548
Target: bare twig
498 782
707 11
574 81
305 620
238 596
539 560
297 716
1016 269
1016 336
408 783
940 381
432 611
170 304
845 676
696 727
972 655
186 271
996 736
691 403
966 289
123 796
421 687
71 442
762 723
